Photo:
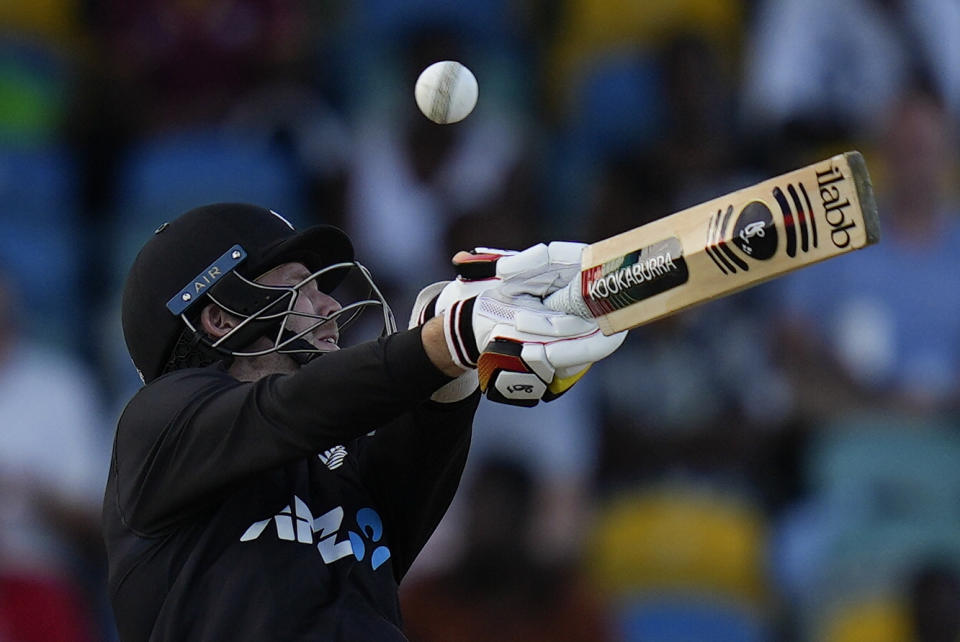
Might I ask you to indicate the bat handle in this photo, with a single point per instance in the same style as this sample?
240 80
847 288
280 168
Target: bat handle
569 299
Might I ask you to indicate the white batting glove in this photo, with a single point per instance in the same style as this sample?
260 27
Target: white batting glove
535 272
523 351
538 270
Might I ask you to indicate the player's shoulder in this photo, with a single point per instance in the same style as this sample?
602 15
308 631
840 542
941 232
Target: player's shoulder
171 392
189 378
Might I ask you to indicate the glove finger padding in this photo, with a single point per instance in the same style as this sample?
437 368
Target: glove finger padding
538 270
583 350
573 357
476 273
470 324
541 269
552 324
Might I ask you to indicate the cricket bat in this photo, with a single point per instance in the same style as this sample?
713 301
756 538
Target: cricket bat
725 245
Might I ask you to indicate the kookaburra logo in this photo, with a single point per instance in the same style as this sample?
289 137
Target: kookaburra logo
749 231
299 525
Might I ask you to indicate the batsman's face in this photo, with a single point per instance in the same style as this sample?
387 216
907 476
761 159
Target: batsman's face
310 303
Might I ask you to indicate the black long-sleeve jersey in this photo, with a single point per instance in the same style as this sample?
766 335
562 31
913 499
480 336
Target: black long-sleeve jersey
268 510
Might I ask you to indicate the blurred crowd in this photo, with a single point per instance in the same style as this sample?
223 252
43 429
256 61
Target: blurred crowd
779 465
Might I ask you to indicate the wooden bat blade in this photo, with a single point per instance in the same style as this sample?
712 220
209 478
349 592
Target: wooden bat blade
729 243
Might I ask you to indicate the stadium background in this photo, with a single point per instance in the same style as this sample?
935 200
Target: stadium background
778 465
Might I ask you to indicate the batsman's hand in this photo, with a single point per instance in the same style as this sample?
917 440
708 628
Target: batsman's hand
522 350
533 273
539 270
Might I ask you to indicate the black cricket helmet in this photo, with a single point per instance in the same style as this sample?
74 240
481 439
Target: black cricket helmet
214 253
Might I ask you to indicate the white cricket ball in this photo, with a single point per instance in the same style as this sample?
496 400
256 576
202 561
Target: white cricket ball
446 92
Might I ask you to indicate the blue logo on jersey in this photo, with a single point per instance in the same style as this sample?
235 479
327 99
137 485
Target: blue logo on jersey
371 526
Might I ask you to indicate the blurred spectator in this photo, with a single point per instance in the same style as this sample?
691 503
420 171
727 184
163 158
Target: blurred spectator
631 189
704 401
503 588
410 179
833 69
700 146
879 328
670 111
294 114
53 457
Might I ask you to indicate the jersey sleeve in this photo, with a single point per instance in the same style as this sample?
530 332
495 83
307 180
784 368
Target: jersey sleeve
194 433
413 469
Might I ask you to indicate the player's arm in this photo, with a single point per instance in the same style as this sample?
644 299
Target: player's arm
197 432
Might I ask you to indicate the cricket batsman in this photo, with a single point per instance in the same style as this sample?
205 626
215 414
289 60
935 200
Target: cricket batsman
267 483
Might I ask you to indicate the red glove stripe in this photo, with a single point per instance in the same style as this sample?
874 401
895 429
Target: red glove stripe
468 340
453 319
